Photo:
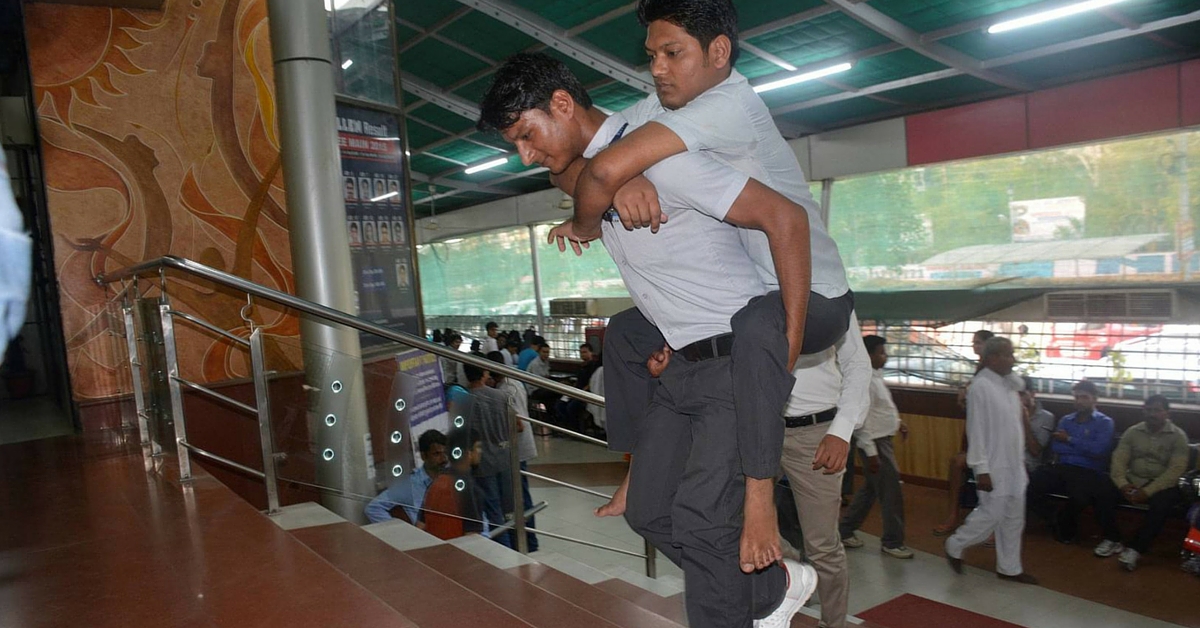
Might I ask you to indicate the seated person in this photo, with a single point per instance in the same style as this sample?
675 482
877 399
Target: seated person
408 492
1082 445
1145 468
1039 425
530 352
453 504
568 410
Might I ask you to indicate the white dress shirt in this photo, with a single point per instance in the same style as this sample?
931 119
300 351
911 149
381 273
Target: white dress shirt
16 254
838 376
518 401
883 419
995 436
490 345
731 122
691 277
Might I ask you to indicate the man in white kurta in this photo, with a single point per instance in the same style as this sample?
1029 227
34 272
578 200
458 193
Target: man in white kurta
996 453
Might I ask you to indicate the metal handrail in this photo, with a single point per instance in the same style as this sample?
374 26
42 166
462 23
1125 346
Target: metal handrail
564 430
216 395
538 476
210 327
221 459
342 318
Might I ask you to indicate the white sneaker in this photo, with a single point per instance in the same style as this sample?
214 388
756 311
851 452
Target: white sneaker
897 552
851 541
802 581
1129 558
1107 548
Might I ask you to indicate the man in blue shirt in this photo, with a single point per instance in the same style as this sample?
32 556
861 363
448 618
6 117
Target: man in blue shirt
530 353
409 492
1081 446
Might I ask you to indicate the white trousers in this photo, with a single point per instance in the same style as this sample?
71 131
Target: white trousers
1002 514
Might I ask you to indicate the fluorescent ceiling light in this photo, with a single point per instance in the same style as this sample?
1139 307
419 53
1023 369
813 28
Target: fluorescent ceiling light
347 63
452 241
1052 14
384 197
800 78
338 4
486 165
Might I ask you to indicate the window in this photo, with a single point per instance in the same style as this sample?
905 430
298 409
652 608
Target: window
1100 214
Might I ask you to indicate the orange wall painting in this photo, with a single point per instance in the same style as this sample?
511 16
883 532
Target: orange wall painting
159 137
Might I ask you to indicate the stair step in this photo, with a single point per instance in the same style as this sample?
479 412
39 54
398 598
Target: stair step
671 608
306 515
615 609
534 605
402 535
491 552
571 567
417 591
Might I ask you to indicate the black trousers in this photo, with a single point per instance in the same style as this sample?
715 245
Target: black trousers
686 493
1083 488
762 383
1161 505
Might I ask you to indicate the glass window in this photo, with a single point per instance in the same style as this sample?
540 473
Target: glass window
1087 215
565 275
488 273
362 47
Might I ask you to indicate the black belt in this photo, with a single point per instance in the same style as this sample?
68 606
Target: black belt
709 348
823 416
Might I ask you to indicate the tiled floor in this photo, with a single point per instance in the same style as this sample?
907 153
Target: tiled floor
32 419
874 577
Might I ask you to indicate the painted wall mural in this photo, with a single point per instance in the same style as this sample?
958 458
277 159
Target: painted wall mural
159 137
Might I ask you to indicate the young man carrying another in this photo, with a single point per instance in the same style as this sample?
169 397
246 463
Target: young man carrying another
687 489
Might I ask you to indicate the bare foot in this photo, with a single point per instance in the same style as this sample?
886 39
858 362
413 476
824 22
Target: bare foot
759 546
615 506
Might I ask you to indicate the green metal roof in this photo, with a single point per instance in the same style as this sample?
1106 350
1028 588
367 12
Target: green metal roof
925 54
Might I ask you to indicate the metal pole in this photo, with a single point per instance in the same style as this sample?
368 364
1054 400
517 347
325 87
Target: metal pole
168 330
262 398
514 459
537 280
651 565
826 197
320 248
135 374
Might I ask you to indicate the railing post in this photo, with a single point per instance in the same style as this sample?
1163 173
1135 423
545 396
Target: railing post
263 402
168 330
651 565
514 458
149 448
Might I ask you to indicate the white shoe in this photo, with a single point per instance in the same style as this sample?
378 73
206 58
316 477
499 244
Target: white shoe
1129 558
1107 548
802 581
851 541
897 552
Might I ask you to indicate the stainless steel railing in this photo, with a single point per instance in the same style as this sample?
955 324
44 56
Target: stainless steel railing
184 448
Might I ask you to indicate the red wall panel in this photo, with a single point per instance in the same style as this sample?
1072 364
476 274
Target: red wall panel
1189 97
986 128
1110 107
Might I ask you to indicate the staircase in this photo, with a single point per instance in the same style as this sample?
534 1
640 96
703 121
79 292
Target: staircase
434 583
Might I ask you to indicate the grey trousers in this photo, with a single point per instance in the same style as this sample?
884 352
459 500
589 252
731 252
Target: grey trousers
884 486
686 493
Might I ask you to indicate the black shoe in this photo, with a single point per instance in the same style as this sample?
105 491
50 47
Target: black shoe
955 563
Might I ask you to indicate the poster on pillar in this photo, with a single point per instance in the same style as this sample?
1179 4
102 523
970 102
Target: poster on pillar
377 219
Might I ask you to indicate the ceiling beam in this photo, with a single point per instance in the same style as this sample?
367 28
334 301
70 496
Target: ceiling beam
425 33
464 186
1028 55
551 35
467 50
601 19
877 21
784 22
446 100
450 137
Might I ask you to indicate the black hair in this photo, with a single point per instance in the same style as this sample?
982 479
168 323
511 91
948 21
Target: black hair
463 439
1159 399
475 346
703 19
491 325
473 373
982 335
430 438
538 341
526 81
1029 387
453 337
1085 386
498 358
873 342
588 346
